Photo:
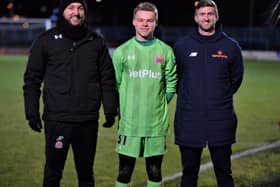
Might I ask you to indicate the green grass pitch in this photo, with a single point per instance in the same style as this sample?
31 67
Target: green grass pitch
257 104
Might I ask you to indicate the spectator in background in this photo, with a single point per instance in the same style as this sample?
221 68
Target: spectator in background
210 71
7 8
76 69
146 80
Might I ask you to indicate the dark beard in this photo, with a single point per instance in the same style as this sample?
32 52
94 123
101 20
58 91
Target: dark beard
73 32
211 29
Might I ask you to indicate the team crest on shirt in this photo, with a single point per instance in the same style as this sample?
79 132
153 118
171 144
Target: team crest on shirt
220 54
59 144
158 59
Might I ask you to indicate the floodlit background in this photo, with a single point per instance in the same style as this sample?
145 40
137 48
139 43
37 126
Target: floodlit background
251 22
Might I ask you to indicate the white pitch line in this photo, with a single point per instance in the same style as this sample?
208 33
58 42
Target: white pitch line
208 165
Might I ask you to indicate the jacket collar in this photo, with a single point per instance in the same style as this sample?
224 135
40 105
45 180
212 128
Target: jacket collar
213 38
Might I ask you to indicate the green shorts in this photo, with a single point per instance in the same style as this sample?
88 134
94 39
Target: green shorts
141 146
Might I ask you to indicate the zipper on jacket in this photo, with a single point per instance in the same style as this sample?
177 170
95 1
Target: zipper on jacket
204 99
77 44
73 46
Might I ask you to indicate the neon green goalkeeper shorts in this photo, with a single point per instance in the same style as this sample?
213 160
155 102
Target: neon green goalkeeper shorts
141 146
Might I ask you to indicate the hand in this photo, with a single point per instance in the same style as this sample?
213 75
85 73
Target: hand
110 120
35 124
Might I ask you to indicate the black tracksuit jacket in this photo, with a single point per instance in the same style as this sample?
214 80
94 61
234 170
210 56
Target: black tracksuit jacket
77 77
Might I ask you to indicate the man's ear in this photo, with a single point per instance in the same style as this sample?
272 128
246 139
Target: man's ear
195 18
133 23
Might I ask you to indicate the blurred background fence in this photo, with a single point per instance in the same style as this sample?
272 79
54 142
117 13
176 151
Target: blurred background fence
19 33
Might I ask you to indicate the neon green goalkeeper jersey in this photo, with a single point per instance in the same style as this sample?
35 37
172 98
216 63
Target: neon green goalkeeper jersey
145 71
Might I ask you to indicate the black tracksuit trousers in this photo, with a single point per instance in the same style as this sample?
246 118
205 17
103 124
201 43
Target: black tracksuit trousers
220 156
59 136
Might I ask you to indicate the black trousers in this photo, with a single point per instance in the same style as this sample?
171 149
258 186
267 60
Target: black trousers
221 161
82 137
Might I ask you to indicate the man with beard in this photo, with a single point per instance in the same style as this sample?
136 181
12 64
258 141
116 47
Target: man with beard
75 67
210 71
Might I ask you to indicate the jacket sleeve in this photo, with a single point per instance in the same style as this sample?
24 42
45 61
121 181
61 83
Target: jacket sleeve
117 62
178 62
33 77
108 82
237 69
170 72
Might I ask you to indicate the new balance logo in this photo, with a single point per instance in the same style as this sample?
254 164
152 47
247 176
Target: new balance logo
58 36
193 54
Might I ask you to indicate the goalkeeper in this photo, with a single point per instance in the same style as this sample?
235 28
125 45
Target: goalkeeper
146 80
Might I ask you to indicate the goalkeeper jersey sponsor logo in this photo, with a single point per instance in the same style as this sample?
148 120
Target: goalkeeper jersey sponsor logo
145 73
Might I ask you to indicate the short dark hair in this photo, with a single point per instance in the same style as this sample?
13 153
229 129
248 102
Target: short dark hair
206 3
